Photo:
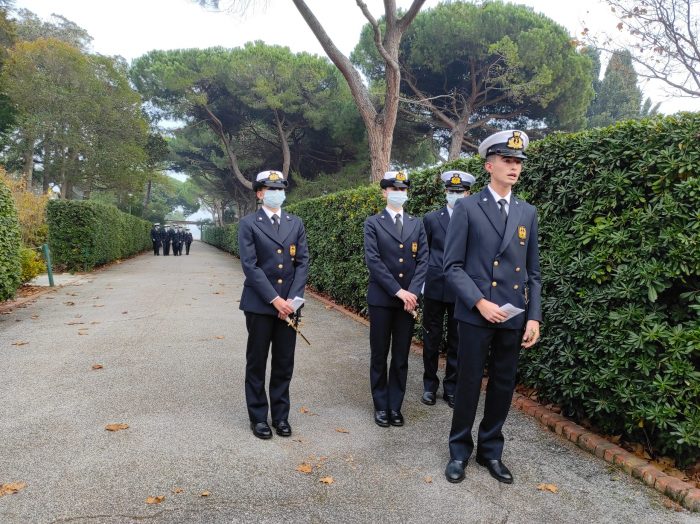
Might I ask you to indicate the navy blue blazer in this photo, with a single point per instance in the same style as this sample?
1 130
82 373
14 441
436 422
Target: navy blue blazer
486 259
274 263
435 224
394 262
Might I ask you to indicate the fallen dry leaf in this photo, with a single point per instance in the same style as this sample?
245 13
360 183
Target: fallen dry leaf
34 317
219 337
303 409
124 312
20 343
98 305
329 307
116 427
177 490
69 303
327 480
11 488
342 430
82 333
204 494
97 366
548 487
304 468
428 480
74 323
155 500
95 322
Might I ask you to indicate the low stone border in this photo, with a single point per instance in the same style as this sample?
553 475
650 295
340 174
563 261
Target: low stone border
677 490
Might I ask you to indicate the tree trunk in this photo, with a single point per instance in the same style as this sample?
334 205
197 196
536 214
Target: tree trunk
456 137
28 168
218 128
147 197
284 141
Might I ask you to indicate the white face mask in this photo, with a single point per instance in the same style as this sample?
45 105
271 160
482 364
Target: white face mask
274 199
453 197
396 198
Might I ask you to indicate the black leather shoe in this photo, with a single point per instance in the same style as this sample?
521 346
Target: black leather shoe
381 418
497 469
395 418
450 399
283 429
454 472
428 398
261 430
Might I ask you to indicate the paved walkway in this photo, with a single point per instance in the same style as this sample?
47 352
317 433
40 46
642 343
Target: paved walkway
171 339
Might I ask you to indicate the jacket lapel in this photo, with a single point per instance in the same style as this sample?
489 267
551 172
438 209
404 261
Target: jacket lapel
388 224
515 211
285 227
409 224
444 218
490 208
265 225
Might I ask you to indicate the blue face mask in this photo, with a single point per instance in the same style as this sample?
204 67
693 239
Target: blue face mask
453 197
396 198
274 199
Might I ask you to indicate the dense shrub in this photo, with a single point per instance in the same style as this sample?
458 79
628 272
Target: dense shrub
9 245
32 263
84 234
31 212
619 224
225 238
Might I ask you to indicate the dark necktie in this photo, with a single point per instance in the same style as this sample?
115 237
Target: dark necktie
502 202
399 225
276 223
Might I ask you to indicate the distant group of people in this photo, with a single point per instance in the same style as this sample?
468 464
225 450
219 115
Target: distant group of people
475 260
170 236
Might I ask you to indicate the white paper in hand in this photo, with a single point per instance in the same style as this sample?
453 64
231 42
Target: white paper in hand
510 310
297 302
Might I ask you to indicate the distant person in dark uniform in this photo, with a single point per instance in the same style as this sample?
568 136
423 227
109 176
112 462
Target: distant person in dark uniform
168 240
275 260
188 241
176 241
396 253
155 239
491 260
439 299
163 235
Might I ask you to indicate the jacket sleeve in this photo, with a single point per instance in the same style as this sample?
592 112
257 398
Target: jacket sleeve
301 271
454 263
255 276
534 281
377 269
421 271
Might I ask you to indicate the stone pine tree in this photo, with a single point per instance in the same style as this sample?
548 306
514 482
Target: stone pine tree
618 96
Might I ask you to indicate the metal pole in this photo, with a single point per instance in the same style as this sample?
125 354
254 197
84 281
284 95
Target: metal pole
47 257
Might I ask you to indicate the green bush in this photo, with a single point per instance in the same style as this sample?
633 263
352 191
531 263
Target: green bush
225 238
9 245
84 234
32 264
619 225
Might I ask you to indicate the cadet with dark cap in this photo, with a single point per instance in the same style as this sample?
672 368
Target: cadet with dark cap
439 299
163 234
155 239
491 261
188 240
396 253
275 260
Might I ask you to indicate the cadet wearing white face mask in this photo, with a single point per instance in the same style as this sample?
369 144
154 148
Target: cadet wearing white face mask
440 299
275 260
396 253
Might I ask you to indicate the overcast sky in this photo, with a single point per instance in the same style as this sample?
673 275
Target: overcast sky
131 28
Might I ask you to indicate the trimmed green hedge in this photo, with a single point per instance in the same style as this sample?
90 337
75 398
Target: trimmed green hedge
619 224
84 234
225 238
10 241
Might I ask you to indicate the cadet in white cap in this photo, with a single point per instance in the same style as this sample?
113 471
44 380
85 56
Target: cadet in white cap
188 240
491 260
438 298
275 260
155 239
396 253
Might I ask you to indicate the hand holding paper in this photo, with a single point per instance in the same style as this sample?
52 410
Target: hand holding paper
510 310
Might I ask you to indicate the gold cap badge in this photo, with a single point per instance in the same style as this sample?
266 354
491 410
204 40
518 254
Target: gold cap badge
455 180
273 176
516 141
401 176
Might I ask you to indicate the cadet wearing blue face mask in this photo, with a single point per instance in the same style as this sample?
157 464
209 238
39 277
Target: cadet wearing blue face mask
275 260
439 299
396 253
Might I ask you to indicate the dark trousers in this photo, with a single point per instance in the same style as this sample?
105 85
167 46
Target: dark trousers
156 247
187 248
389 328
265 331
433 321
502 348
166 247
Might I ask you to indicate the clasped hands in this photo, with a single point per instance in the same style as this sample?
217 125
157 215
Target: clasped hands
494 314
410 301
284 307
